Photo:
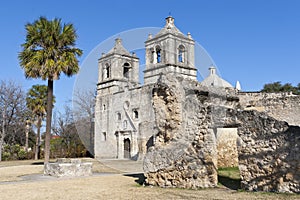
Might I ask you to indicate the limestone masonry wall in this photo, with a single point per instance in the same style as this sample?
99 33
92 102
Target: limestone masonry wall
281 106
268 151
269 158
184 154
189 118
178 159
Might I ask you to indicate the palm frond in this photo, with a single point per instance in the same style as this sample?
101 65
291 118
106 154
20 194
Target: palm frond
49 49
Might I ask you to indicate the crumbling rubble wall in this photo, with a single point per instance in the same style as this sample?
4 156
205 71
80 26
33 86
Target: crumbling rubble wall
282 106
185 154
268 149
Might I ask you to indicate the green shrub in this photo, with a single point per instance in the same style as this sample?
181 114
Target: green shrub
14 152
5 156
22 155
15 149
6 148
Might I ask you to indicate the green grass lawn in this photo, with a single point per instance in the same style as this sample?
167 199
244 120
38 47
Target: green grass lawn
229 177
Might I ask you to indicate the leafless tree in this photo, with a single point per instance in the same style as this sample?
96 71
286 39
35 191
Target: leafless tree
84 112
13 112
68 142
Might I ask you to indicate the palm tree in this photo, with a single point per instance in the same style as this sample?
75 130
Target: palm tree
48 51
36 102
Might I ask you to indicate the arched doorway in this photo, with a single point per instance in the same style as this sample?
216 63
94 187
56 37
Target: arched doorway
127 148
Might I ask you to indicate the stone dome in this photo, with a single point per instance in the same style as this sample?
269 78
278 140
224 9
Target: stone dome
214 80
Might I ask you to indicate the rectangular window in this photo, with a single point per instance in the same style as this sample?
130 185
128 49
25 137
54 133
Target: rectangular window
119 116
103 138
135 114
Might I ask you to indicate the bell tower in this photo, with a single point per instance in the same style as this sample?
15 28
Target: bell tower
117 69
170 51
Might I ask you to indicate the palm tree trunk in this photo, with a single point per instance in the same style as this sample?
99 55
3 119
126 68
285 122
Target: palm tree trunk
48 120
37 141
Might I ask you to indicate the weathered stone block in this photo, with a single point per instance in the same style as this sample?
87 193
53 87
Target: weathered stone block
64 167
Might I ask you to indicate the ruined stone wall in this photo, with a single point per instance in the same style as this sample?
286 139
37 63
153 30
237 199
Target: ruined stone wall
281 106
184 153
185 149
268 149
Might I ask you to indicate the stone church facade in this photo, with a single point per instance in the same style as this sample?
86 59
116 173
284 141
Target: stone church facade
124 117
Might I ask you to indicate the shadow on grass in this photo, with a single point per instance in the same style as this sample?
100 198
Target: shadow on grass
37 163
140 178
234 184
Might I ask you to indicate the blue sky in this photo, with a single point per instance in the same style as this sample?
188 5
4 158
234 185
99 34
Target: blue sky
253 41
